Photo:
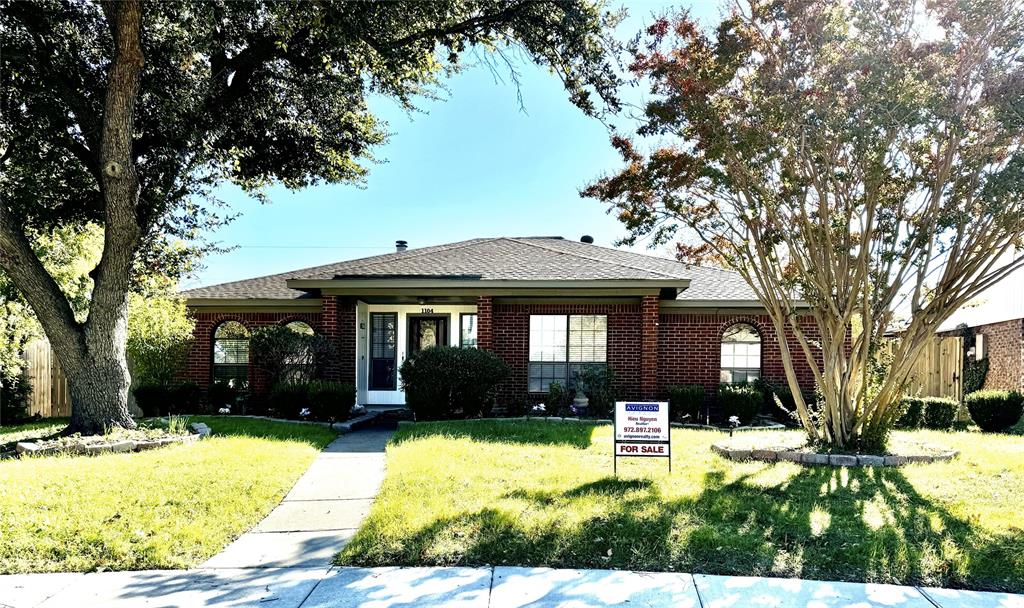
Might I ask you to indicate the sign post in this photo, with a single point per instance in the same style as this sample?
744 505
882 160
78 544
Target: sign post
642 429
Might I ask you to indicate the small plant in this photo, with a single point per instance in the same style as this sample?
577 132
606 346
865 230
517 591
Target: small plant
685 401
740 400
597 382
177 425
558 400
995 411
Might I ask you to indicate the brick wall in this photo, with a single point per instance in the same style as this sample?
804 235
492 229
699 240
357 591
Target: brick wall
200 358
1005 345
511 329
690 349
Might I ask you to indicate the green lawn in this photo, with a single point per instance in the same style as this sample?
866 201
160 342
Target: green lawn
541 494
167 508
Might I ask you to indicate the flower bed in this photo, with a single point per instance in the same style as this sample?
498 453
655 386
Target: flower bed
120 440
775 447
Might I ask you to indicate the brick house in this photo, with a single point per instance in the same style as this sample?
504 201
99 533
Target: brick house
545 305
998 326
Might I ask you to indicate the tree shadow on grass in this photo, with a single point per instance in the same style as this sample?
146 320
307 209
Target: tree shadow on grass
859 524
574 434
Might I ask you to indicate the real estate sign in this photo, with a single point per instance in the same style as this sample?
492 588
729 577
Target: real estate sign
642 429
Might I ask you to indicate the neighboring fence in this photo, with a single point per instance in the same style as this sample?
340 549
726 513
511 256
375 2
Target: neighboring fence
49 396
937 372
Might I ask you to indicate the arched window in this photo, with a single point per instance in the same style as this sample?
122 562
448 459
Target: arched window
741 354
300 365
231 354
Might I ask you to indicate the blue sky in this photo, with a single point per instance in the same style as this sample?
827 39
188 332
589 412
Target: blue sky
473 164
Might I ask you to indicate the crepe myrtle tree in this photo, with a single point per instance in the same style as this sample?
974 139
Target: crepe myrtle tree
861 157
129 113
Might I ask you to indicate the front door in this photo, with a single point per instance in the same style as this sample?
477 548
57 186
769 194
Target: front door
425 332
383 351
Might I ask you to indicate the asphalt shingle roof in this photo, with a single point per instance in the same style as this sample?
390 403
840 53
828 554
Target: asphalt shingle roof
498 259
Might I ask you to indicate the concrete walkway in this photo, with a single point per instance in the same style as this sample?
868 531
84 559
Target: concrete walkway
320 514
464 588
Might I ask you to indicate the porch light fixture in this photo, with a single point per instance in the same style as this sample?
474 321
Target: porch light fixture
421 301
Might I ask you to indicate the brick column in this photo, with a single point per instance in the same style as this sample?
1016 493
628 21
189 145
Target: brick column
339 326
649 347
485 323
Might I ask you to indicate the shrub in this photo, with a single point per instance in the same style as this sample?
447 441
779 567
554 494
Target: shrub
220 394
450 382
286 355
597 382
288 399
995 411
939 412
740 400
330 401
159 339
14 394
913 413
557 403
779 399
684 402
158 399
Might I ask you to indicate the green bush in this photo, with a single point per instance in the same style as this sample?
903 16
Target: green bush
221 394
447 382
685 401
158 399
557 403
912 416
779 399
288 399
598 383
330 401
14 394
995 411
740 400
939 413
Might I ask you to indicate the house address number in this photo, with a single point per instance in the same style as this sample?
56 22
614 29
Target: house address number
426 310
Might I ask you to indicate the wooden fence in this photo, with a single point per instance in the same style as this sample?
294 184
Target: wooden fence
937 372
49 396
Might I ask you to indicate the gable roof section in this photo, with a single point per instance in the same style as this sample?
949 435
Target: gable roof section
495 259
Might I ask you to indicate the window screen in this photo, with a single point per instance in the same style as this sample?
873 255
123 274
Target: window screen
561 345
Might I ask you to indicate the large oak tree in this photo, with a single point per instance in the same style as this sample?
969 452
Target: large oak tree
127 113
863 158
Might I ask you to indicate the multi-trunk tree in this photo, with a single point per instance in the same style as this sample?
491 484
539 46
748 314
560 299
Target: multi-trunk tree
127 113
857 162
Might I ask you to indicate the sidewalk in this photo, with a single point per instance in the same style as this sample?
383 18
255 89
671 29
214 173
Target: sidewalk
464 588
320 514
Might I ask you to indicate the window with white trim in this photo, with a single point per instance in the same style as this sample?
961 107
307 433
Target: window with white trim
467 330
741 354
231 354
561 345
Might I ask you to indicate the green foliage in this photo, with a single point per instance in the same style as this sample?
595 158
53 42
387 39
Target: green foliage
221 394
597 382
685 401
160 399
974 370
319 400
912 416
159 338
286 355
558 400
451 382
995 411
331 401
939 412
14 395
740 400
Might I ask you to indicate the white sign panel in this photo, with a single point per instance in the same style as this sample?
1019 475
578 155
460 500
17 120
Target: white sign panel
641 449
640 421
